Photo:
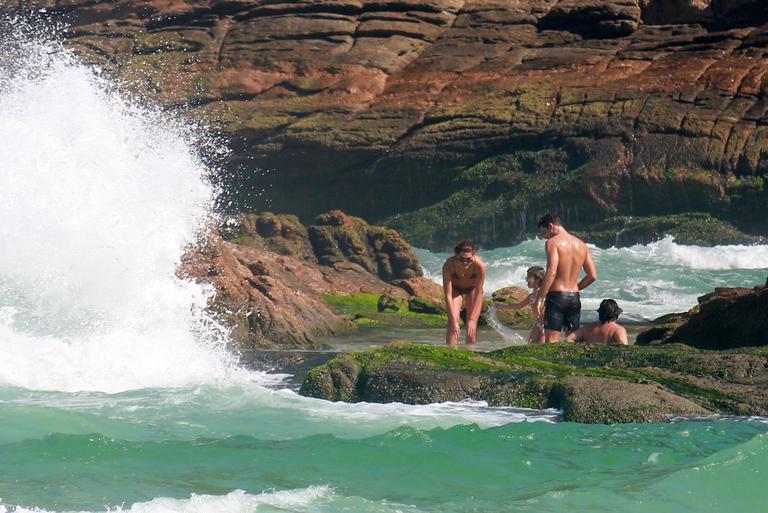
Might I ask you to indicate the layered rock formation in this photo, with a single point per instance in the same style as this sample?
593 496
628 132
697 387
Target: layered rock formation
270 283
591 384
334 239
451 118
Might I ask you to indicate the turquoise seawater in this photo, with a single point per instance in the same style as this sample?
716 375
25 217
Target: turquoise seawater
250 448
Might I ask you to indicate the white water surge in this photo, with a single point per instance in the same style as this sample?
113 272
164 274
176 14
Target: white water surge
98 199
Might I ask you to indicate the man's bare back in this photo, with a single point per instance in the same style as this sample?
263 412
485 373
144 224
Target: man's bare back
570 255
559 300
609 333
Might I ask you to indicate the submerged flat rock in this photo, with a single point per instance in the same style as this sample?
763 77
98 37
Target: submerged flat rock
590 384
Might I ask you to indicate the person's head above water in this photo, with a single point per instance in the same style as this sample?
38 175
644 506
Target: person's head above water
549 225
465 250
608 311
535 276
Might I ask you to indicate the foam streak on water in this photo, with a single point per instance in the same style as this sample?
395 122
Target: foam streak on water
98 198
647 280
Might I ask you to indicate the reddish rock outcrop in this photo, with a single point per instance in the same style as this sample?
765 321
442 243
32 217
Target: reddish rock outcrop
275 300
452 118
282 234
335 240
421 287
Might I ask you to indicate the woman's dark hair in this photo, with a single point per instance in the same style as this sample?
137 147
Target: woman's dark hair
537 272
609 311
548 219
465 245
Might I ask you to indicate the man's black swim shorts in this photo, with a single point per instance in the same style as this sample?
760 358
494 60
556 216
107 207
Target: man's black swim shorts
563 309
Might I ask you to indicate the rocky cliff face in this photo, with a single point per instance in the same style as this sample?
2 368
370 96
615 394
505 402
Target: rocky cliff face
462 117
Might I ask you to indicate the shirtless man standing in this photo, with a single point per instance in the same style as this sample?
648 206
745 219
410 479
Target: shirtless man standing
607 331
559 300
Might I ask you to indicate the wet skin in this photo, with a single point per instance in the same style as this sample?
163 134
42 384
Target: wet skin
463 274
566 257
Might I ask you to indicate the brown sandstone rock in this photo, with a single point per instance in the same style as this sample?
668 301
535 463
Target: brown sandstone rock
522 318
727 318
270 299
510 294
337 237
336 240
282 234
421 287
454 118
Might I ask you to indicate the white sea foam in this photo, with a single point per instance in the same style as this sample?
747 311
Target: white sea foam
717 258
237 501
98 198
313 499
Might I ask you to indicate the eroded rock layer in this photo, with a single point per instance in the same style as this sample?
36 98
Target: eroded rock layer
456 117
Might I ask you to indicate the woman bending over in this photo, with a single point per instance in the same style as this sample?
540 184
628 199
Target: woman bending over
463 275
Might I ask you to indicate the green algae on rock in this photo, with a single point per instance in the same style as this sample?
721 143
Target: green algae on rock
690 229
384 310
591 384
271 278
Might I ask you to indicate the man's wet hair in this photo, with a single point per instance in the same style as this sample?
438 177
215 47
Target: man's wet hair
537 272
465 245
548 219
609 311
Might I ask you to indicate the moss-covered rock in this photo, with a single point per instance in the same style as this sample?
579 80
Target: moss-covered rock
426 305
336 380
590 383
383 311
520 319
693 229
391 304
604 401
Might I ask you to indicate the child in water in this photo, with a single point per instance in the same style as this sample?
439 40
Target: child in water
534 278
